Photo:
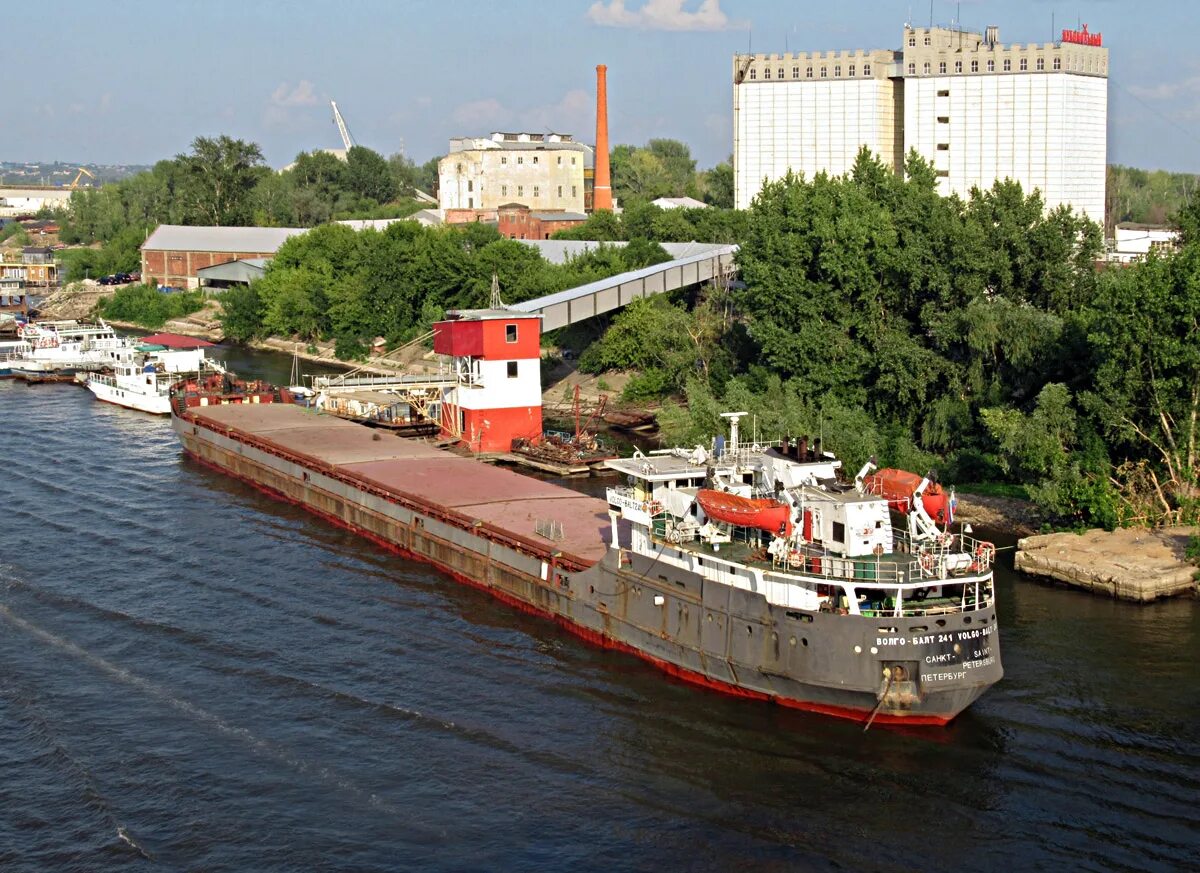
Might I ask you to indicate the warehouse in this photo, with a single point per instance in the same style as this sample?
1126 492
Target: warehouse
173 255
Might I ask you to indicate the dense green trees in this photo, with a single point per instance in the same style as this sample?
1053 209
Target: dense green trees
972 335
1150 196
666 168
336 283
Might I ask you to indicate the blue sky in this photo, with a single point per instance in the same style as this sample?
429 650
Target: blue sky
131 81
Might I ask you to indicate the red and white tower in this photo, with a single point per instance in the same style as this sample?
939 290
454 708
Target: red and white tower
497 361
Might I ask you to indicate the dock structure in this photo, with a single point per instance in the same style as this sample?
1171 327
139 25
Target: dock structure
1128 563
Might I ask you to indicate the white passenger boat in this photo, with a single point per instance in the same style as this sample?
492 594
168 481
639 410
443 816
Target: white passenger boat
59 349
140 376
11 350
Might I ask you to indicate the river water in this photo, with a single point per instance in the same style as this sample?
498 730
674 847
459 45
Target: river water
193 676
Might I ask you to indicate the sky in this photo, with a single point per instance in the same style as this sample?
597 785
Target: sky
134 81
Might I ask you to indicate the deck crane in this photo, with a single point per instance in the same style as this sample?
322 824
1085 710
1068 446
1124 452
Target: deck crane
347 140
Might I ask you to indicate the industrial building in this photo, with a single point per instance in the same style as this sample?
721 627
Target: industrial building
517 221
544 171
28 201
174 254
976 109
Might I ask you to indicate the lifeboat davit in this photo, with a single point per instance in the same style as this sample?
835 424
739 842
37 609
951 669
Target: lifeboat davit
762 513
898 487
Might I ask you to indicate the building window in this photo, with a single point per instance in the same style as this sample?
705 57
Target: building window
912 69
510 333
837 71
753 73
470 203
560 192
941 174
767 73
521 159
503 190
944 93
912 41
1058 63
942 67
512 369
535 160
824 73
795 72
866 69
943 119
503 160
1024 64
470 185
974 66
573 194
928 41
808 72
458 168
535 190
927 69
852 71
572 162
781 72
560 160
991 66
1041 63
520 190
943 146
958 66
1007 65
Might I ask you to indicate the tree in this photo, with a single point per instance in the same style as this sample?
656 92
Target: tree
218 178
369 175
716 185
1145 340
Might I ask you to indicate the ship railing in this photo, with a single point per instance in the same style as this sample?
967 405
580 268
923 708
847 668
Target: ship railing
947 555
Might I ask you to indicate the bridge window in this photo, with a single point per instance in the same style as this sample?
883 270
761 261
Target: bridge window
839 532
510 333
512 369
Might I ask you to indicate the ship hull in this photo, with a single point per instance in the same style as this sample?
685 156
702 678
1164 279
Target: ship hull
705 633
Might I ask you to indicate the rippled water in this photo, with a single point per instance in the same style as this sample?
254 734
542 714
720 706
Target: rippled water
193 676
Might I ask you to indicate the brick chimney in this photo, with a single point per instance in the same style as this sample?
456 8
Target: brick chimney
602 186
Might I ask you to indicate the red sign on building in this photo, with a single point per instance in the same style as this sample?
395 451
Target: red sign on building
1081 37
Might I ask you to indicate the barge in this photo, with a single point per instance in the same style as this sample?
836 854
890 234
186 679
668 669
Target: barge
878 626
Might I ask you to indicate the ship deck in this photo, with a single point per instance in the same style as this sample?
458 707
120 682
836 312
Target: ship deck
417 472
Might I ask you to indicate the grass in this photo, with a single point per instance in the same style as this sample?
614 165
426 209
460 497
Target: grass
994 489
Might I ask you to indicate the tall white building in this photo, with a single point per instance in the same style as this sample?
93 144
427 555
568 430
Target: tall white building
974 108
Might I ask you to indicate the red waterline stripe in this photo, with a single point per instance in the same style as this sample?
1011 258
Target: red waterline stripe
682 673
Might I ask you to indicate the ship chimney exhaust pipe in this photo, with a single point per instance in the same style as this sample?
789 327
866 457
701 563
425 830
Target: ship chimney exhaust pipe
601 184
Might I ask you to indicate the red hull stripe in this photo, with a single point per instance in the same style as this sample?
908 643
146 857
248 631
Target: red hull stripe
591 636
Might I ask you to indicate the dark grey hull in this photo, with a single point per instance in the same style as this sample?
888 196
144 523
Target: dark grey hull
914 671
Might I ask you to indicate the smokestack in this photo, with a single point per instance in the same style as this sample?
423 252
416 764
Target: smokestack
601 185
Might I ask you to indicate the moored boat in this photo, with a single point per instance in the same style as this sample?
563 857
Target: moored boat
140 376
60 349
838 614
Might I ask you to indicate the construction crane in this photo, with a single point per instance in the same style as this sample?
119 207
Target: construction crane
79 176
347 140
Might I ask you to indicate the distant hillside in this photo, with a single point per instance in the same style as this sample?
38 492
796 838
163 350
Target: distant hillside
1146 196
61 174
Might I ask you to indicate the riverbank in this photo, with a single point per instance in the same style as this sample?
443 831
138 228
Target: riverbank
1129 563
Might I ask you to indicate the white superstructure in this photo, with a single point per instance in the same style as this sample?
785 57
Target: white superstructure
140 377
67 347
976 109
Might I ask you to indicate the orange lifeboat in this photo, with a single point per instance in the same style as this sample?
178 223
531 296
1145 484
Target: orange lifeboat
898 487
762 513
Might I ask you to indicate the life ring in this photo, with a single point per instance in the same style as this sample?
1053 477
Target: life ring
984 553
927 562
653 507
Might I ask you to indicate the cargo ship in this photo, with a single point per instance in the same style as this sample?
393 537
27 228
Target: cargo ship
833 612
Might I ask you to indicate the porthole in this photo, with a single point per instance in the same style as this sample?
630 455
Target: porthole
805 641
966 619
749 629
